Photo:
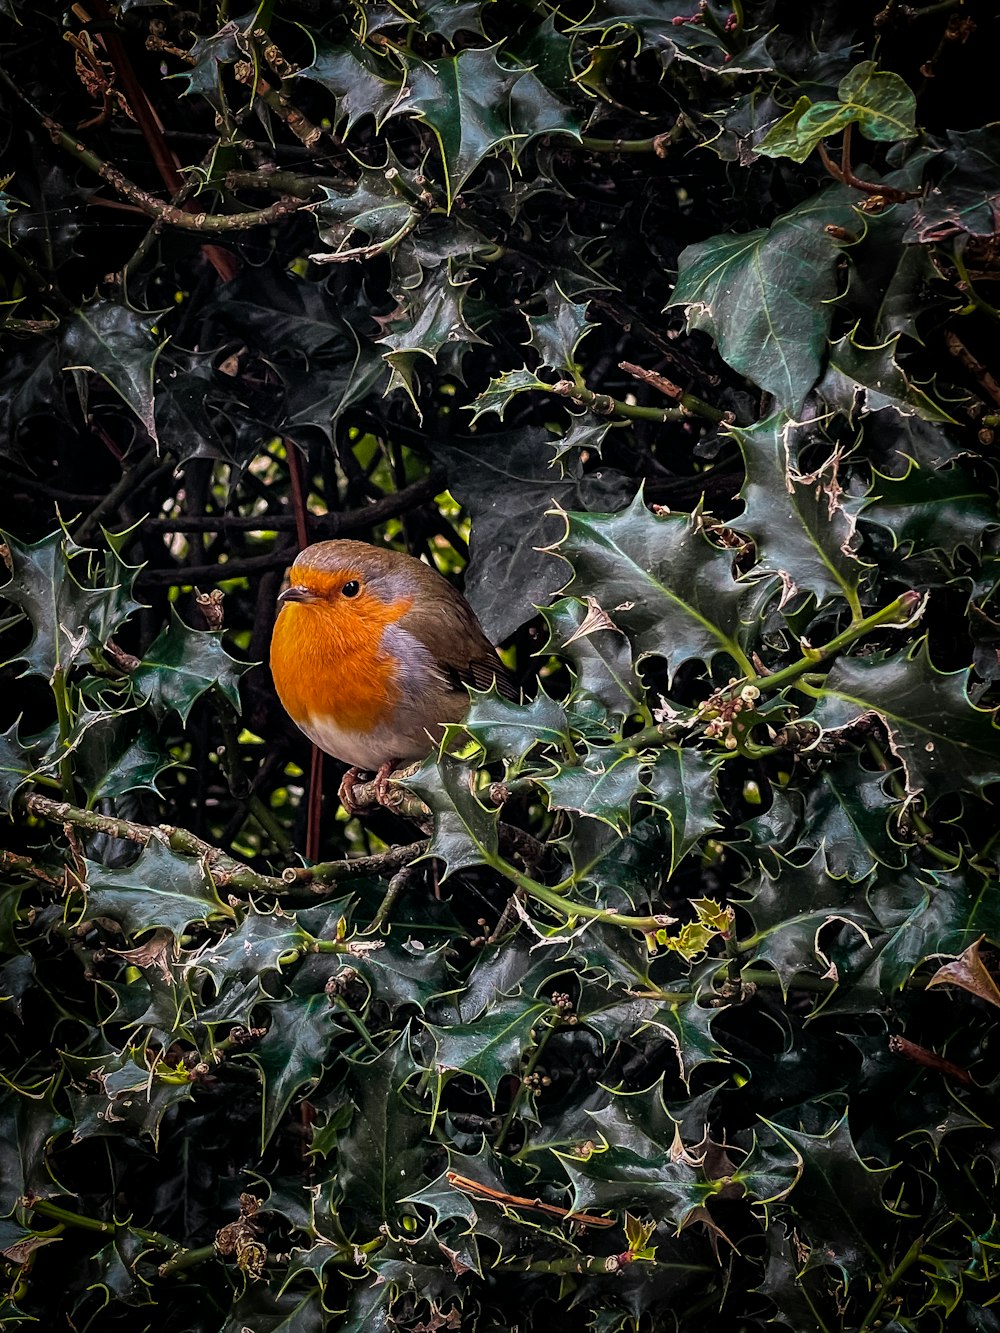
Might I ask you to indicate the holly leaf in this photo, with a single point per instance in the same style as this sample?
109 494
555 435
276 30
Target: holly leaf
373 205
117 753
928 915
617 1179
497 395
877 101
61 611
291 1054
681 783
672 592
360 83
491 1047
843 808
462 99
942 740
465 832
807 536
838 1200
606 685
557 334
766 296
862 379
378 1160
509 731
927 510
181 665
436 319
161 889
115 342
688 1024
790 911
596 788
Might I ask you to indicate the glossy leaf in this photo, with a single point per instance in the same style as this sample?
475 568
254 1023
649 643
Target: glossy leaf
161 889
181 665
764 295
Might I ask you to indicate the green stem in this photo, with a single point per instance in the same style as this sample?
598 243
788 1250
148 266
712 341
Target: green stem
885 1290
977 302
105 1228
187 1259
267 821
569 909
924 829
906 606
356 1023
65 728
606 406
529 1069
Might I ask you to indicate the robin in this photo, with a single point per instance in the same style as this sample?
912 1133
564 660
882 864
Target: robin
372 652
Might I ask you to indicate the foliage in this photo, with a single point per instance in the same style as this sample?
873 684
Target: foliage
668 997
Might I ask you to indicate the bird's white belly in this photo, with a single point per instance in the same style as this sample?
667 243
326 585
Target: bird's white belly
367 750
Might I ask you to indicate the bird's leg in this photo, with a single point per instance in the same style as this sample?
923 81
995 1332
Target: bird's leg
381 783
345 792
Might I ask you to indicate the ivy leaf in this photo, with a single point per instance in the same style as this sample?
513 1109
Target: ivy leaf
491 1047
802 525
292 1053
116 343
461 99
181 665
61 610
877 101
682 785
961 201
942 740
670 590
766 296
359 82
838 1200
161 889
379 1162
465 832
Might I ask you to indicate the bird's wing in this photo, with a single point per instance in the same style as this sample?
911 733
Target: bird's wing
462 652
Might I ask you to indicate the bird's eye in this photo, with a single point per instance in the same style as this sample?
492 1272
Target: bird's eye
351 588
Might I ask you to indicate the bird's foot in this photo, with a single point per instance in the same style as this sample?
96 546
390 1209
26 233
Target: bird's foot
345 792
379 788
381 785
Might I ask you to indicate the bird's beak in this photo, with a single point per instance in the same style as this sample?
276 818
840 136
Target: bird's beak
296 593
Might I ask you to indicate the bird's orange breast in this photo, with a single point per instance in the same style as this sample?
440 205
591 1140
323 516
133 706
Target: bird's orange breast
327 662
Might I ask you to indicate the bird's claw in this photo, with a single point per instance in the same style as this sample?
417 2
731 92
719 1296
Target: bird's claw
380 788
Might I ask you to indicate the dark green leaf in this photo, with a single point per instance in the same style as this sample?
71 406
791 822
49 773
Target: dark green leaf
360 83
838 1201
943 741
802 525
765 296
505 730
662 582
490 1047
161 889
292 1053
380 1163
682 785
181 665
462 99
119 345
465 832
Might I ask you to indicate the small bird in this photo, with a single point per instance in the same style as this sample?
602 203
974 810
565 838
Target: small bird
372 652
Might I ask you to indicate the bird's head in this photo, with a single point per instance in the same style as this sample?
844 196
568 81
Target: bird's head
347 584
